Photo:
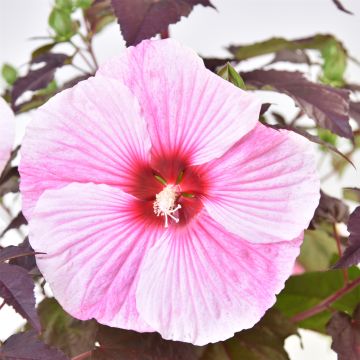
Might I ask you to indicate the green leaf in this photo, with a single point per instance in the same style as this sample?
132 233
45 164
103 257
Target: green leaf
62 331
327 136
9 73
273 45
265 341
42 50
83 4
60 21
352 194
66 5
302 292
335 62
228 73
331 49
317 250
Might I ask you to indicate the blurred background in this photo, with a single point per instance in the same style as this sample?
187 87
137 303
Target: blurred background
208 32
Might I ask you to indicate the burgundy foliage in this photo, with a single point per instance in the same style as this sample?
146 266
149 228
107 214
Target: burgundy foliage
26 346
345 331
351 255
38 78
328 106
17 289
142 19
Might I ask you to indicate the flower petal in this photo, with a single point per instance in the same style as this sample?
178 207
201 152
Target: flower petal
95 241
7 133
265 189
190 111
90 133
201 284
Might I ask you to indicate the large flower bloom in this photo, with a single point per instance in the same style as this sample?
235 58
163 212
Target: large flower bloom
7 133
160 201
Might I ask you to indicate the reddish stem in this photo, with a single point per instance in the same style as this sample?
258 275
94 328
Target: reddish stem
83 356
338 243
326 303
227 352
165 34
2 305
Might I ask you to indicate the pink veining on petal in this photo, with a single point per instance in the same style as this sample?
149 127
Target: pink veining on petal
7 133
95 240
156 140
93 132
189 110
200 284
266 188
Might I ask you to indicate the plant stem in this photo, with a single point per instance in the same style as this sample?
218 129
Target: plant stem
79 51
338 243
326 303
88 41
83 356
165 34
2 304
227 352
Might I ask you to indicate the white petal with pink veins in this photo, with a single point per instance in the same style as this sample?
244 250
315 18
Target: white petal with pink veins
93 132
95 241
201 284
266 188
190 111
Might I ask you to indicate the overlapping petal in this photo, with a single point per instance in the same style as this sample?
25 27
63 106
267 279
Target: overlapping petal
201 284
265 189
95 242
93 132
191 112
7 133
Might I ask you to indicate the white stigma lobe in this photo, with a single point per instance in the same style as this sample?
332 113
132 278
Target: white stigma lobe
165 204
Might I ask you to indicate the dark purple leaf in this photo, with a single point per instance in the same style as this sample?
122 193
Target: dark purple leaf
328 106
341 7
264 108
294 56
13 252
15 223
62 331
17 289
310 137
73 82
355 111
98 15
330 209
142 19
39 78
117 344
9 180
9 186
26 346
345 333
352 87
214 63
27 262
351 255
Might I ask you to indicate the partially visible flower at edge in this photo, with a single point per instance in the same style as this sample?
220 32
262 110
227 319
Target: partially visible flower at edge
161 202
7 133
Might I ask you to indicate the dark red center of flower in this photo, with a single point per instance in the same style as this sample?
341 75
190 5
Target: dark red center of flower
170 190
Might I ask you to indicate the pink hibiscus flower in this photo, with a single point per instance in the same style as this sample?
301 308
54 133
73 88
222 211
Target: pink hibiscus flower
7 133
160 201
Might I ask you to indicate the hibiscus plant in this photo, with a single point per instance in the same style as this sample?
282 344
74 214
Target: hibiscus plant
167 212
